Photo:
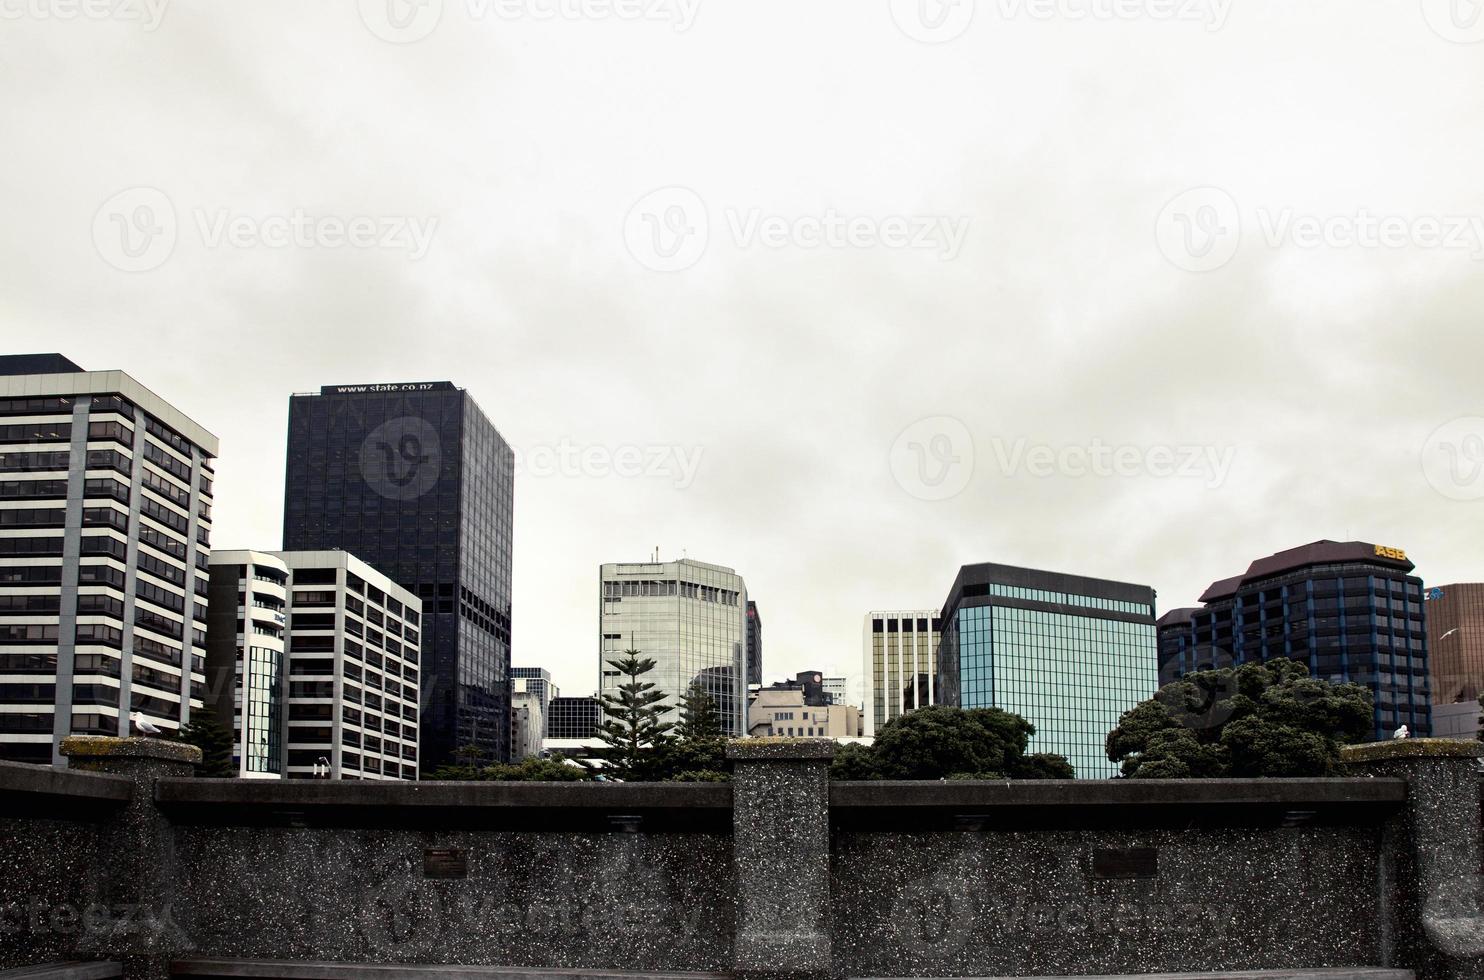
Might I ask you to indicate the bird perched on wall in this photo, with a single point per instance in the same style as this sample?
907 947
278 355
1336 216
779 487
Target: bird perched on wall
1402 732
144 725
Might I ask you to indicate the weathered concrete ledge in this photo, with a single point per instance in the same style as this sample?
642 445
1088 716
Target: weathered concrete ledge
380 795
1413 748
86 747
1117 792
66 971
1318 974
304 970
20 780
780 749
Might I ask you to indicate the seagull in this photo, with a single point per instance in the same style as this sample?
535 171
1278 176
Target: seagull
1402 732
144 724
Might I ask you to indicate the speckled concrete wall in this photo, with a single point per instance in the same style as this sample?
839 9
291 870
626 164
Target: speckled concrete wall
46 867
647 901
1027 903
782 873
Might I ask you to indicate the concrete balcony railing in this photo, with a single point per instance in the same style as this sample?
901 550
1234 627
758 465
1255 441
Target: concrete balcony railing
126 859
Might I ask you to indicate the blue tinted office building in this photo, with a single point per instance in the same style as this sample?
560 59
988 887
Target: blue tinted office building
1068 653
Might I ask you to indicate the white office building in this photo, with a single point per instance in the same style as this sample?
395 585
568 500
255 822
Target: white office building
315 660
105 526
687 616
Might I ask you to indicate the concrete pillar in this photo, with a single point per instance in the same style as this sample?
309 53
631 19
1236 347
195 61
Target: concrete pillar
781 853
1432 907
135 884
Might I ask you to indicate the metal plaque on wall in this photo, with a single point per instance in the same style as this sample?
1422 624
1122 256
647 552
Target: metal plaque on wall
445 862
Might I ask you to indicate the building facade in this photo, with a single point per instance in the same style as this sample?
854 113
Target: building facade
1068 653
531 694
1350 611
105 537
837 689
900 665
415 480
340 699
537 681
754 645
687 616
527 726
572 727
786 709
1458 720
1455 641
247 658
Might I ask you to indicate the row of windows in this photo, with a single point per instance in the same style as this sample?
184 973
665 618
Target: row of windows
670 587
36 406
907 625
168 436
1068 598
165 461
97 459
42 431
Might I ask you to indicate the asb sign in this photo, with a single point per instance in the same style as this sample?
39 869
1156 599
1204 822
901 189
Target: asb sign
1396 554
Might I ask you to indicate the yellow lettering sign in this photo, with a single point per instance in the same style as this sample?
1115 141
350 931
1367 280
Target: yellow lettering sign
1384 552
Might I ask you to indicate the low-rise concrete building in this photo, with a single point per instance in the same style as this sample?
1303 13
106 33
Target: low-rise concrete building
787 709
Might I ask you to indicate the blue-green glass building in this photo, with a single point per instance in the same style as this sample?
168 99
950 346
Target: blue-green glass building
1068 653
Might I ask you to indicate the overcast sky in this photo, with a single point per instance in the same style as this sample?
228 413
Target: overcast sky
840 293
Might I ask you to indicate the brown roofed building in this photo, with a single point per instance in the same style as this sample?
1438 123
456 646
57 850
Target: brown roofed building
1348 610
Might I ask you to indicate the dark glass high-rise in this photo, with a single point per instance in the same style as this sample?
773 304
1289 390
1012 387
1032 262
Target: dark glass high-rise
416 481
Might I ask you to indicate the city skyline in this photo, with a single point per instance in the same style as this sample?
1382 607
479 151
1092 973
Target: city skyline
813 632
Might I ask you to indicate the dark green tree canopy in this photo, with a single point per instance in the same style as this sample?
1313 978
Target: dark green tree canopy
941 742
533 770
1259 719
215 742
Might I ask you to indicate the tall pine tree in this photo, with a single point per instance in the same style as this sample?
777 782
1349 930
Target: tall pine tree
699 719
631 726
215 742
